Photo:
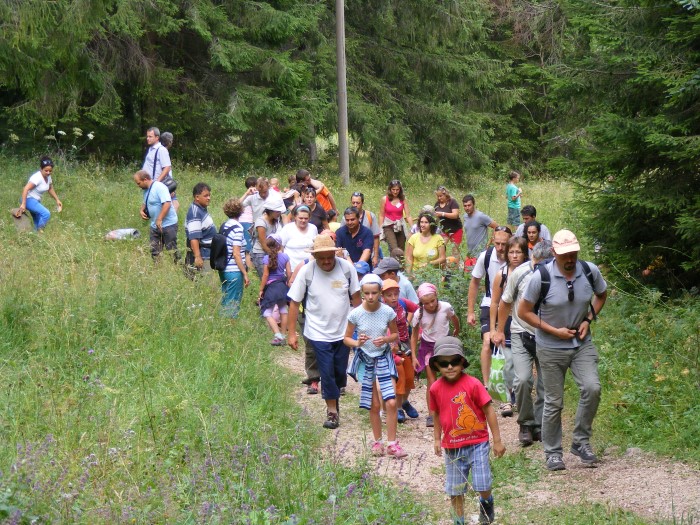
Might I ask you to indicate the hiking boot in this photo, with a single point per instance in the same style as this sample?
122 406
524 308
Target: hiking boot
401 416
410 410
377 448
536 434
342 391
554 462
429 421
486 511
332 421
313 388
506 409
585 452
396 451
525 436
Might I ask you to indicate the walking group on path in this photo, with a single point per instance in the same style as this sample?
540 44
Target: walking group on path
330 281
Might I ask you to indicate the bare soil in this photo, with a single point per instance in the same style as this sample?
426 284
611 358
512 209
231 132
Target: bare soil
654 488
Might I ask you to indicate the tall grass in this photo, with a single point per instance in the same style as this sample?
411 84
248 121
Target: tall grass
128 399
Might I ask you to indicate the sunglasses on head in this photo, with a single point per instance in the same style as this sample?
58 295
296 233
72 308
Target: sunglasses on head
446 363
503 229
395 182
570 287
358 194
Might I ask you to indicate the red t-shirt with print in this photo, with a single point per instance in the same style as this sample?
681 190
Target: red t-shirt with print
459 407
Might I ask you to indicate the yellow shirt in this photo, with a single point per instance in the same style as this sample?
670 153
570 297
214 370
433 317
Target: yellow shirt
423 253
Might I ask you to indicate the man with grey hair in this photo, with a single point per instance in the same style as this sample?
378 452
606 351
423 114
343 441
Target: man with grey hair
523 347
568 295
157 161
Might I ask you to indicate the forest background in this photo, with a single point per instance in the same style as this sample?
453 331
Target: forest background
605 93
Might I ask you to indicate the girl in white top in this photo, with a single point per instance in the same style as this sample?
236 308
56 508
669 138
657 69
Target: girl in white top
38 184
298 236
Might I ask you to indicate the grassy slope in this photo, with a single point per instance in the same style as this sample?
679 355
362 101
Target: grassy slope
126 399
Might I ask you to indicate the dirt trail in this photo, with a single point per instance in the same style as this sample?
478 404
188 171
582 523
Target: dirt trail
651 487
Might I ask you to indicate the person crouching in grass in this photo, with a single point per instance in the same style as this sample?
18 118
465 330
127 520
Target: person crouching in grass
461 408
373 363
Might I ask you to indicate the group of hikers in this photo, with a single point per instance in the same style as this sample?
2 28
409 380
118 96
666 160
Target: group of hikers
325 276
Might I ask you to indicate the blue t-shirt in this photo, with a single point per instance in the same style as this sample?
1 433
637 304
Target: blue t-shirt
373 324
364 240
199 225
157 196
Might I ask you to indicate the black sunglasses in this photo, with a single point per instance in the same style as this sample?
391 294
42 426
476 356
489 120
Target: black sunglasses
570 287
395 182
503 229
452 362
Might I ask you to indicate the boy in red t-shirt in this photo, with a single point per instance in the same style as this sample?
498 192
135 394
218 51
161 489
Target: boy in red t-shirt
461 409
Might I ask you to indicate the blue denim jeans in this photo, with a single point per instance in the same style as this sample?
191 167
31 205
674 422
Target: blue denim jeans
332 359
232 293
39 213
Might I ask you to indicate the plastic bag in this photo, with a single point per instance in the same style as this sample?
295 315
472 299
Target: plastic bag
123 233
497 384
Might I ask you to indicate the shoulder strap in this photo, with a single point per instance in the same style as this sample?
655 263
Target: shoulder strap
520 280
155 161
589 275
487 261
546 281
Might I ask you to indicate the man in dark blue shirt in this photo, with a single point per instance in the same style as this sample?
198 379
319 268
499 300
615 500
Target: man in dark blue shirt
358 240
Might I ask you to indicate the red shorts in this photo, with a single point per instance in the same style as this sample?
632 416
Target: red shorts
455 237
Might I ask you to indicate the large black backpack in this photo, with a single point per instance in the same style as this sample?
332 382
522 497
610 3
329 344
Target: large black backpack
220 257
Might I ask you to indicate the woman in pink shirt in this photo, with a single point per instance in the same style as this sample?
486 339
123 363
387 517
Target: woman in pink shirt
393 214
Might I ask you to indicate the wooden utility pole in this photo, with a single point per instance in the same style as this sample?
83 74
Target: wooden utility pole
344 154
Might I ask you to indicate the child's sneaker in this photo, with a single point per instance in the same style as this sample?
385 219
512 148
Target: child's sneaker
396 451
378 448
429 421
410 410
486 512
277 341
401 416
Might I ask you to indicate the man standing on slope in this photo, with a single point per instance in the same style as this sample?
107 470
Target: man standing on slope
325 283
570 294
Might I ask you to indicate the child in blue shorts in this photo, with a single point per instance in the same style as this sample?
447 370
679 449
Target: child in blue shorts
461 409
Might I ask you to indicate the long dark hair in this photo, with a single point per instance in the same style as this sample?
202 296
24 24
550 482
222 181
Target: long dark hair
274 251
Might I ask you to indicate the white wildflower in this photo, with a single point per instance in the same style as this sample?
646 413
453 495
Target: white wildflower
50 137
91 135
14 138
59 132
77 132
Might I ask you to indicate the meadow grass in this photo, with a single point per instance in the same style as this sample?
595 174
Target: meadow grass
127 398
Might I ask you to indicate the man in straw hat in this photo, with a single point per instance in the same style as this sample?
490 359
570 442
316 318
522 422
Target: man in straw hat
324 284
569 294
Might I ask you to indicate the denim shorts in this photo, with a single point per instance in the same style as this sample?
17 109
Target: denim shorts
458 463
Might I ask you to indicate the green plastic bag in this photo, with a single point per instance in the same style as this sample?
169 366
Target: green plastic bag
497 384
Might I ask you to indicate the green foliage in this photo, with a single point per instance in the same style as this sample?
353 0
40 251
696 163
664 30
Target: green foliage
635 146
650 365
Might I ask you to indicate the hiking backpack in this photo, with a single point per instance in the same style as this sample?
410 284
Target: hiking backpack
546 281
219 257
